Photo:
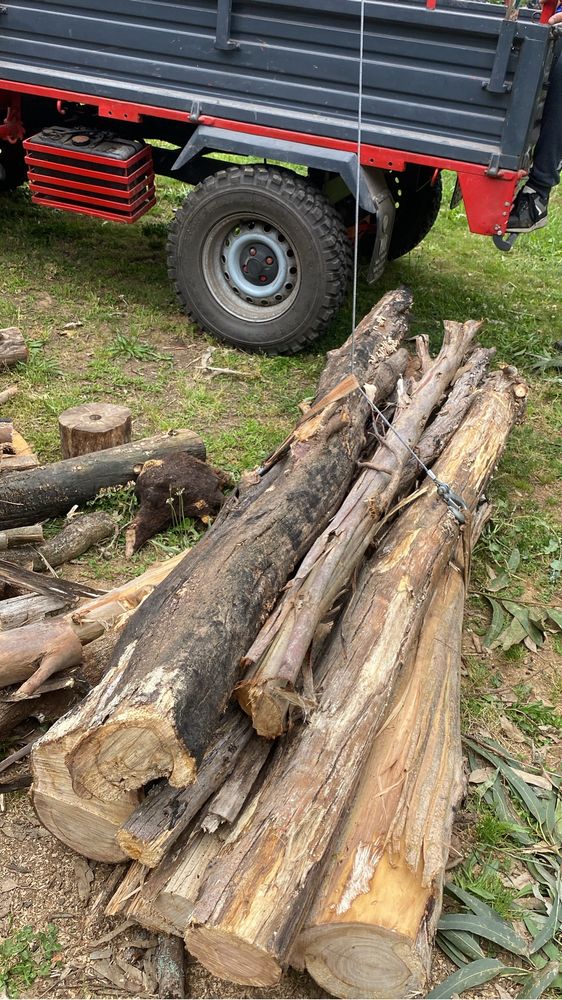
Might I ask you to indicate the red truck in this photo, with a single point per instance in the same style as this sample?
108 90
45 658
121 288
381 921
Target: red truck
363 102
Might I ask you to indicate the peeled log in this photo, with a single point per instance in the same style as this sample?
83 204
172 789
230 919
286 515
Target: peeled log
176 665
371 929
93 427
254 898
52 490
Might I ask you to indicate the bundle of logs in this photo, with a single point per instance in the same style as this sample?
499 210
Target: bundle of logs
275 742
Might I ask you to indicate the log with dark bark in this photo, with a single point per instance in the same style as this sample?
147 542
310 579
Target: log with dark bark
53 489
177 663
94 427
170 966
371 929
255 895
45 708
282 646
79 535
180 486
26 579
13 349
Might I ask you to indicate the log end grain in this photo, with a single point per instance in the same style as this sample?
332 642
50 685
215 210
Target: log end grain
360 961
93 427
230 957
136 747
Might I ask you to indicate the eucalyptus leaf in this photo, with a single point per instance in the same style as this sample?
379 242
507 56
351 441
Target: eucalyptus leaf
450 951
555 616
536 984
473 974
514 560
497 623
465 943
521 614
549 930
491 929
511 636
499 582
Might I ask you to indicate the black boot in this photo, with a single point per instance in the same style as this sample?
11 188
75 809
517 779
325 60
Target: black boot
529 211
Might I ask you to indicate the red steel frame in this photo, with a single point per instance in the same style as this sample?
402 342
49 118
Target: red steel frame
487 198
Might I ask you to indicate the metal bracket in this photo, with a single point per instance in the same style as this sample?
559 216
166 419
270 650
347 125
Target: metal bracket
454 502
497 84
385 213
223 40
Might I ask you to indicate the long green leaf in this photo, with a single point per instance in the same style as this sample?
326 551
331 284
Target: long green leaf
535 985
495 930
497 623
465 943
549 930
473 974
519 786
514 560
456 956
499 582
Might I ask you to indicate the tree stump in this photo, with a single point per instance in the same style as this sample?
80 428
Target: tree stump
93 427
12 347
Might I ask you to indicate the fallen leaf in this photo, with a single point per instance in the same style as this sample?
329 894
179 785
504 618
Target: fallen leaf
480 774
512 731
7 884
540 780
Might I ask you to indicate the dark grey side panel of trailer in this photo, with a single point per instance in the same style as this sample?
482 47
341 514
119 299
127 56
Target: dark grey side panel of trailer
296 66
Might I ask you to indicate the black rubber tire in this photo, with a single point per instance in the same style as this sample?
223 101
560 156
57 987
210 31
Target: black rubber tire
13 173
312 227
419 201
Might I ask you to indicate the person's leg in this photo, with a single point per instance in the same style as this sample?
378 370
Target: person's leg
531 204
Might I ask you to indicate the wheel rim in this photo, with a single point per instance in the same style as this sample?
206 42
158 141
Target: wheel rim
251 268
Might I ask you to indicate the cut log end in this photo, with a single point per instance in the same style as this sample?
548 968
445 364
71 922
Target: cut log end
266 706
230 957
128 753
360 961
68 823
138 850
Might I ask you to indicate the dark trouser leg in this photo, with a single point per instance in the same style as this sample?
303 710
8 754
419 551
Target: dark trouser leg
545 172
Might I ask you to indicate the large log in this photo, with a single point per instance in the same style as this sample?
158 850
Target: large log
371 929
282 646
255 895
52 490
158 707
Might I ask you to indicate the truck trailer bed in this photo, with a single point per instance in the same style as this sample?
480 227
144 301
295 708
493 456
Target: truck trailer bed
458 82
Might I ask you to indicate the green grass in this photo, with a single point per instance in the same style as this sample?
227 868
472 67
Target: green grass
25 956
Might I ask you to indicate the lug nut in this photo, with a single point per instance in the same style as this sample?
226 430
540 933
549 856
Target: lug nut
269 260
252 251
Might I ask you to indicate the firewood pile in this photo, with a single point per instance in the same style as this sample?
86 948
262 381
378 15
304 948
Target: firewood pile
275 742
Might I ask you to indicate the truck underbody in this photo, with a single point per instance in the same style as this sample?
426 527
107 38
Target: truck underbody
96 98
